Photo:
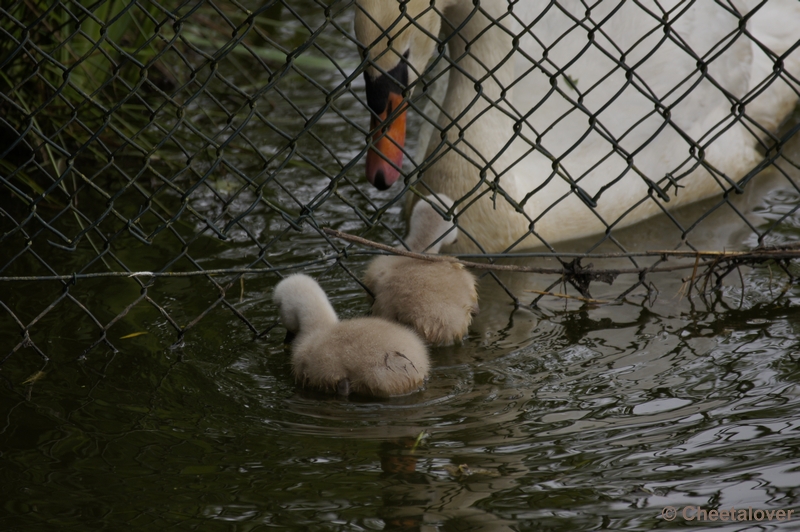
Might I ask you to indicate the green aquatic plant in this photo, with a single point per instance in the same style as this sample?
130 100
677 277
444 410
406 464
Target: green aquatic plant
69 80
92 80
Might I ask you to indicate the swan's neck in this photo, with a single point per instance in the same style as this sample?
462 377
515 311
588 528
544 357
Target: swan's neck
315 314
481 48
476 113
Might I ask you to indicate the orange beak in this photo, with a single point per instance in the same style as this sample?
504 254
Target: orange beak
388 125
385 157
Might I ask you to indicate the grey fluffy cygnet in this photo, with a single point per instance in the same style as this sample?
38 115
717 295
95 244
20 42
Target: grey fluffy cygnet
366 356
436 299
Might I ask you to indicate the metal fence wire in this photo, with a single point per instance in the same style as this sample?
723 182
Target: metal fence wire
151 149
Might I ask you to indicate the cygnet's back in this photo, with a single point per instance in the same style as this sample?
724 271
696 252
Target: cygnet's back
436 299
367 356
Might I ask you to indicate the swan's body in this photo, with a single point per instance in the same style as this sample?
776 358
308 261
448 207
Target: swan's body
615 65
366 356
436 299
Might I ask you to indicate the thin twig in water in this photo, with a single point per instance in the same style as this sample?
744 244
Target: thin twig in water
486 266
753 257
694 276
567 296
770 279
741 279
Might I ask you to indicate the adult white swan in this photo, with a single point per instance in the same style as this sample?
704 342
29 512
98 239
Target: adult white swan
568 118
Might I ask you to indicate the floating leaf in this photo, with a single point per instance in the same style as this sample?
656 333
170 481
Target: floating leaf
462 471
133 335
422 439
35 377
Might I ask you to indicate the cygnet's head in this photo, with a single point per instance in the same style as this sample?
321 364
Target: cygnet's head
427 225
303 304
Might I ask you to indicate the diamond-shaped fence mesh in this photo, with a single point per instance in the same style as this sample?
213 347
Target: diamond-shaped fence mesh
163 153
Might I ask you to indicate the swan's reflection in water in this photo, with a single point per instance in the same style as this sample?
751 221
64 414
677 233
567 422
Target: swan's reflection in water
407 493
418 501
426 479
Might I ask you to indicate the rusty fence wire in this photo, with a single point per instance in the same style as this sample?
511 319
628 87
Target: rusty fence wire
154 155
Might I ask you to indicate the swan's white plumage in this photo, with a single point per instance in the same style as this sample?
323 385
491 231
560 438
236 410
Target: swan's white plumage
436 299
620 99
367 356
428 231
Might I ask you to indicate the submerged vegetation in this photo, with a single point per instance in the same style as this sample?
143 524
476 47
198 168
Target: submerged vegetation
121 117
71 79
91 81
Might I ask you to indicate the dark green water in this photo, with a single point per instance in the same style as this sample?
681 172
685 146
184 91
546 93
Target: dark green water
568 417
562 417
577 419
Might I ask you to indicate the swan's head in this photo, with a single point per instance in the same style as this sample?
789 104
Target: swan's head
303 304
399 38
427 225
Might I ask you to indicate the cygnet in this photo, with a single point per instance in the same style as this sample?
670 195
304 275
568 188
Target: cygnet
366 356
436 299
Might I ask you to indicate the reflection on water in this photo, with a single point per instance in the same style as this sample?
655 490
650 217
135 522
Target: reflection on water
582 419
566 416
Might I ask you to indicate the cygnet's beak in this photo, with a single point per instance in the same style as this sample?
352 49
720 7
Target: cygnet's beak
388 125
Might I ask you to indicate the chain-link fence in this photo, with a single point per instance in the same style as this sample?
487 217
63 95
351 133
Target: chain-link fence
156 155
